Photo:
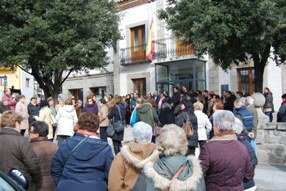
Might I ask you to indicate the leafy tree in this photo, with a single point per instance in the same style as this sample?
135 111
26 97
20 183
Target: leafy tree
52 38
232 31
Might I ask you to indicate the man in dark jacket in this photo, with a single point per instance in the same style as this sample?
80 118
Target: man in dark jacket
281 115
16 151
82 162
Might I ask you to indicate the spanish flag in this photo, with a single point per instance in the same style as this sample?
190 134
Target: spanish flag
150 49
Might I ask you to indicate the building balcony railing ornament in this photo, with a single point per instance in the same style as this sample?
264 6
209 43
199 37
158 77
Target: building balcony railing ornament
164 48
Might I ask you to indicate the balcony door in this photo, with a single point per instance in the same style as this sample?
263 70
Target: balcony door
138 44
184 48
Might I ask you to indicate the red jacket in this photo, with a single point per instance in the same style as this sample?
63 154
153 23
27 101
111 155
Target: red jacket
225 164
11 102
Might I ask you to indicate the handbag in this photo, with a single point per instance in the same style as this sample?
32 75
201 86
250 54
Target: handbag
181 169
110 130
188 127
155 129
54 122
118 126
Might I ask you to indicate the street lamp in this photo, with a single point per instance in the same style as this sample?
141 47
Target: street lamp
5 81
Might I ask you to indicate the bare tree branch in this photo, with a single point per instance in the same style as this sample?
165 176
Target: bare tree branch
66 76
24 69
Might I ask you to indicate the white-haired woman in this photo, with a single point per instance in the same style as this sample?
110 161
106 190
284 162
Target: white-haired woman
173 171
224 155
127 165
204 124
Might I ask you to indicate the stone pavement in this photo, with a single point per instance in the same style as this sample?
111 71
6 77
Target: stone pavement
267 177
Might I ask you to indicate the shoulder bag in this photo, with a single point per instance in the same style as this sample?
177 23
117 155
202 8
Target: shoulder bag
118 126
155 129
181 169
188 127
74 149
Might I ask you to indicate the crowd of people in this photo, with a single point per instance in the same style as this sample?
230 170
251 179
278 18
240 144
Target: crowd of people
64 146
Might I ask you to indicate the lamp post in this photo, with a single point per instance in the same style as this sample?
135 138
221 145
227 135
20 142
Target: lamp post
5 81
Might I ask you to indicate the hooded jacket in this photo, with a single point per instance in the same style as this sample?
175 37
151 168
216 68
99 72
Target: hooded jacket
67 120
86 169
128 164
146 113
157 175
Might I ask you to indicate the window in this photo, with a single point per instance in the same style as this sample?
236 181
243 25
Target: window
245 80
27 82
138 44
184 47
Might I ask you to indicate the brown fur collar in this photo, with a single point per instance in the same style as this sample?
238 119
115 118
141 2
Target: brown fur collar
139 164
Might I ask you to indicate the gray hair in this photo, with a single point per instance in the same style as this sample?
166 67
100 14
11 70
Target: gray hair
172 140
249 100
238 126
142 132
239 102
224 120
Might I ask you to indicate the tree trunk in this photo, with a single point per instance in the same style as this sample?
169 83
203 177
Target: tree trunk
259 66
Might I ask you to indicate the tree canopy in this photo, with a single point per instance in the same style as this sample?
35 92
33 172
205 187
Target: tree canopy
49 38
232 31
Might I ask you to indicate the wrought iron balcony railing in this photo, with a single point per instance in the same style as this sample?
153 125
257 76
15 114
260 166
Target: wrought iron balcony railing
170 47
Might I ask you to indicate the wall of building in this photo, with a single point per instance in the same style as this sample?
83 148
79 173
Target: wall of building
87 82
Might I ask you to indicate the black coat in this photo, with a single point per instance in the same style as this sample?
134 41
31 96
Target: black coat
176 98
166 116
33 110
193 142
114 116
18 153
281 115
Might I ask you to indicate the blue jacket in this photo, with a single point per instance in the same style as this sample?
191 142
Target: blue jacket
247 118
86 169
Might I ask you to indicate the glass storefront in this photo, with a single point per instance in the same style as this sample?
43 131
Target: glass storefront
191 73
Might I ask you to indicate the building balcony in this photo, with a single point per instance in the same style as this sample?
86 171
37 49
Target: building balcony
165 48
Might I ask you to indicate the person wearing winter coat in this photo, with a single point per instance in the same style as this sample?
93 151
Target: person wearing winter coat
117 113
248 184
188 113
166 116
11 99
91 105
281 115
82 162
67 119
45 115
104 121
128 164
204 124
45 151
268 107
22 109
146 113
223 155
16 151
173 145
33 109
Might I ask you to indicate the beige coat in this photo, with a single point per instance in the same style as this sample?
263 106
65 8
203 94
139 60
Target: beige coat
127 165
23 110
103 113
45 115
